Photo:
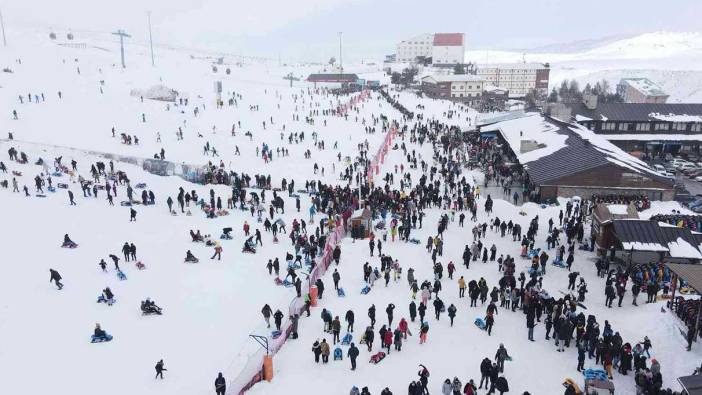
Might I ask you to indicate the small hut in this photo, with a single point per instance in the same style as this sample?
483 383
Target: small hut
602 217
361 223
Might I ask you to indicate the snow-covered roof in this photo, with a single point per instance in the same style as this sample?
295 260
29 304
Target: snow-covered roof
639 246
550 149
644 85
682 249
618 209
639 112
676 117
532 128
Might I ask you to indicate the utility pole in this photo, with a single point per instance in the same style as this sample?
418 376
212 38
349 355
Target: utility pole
151 41
341 59
121 35
2 25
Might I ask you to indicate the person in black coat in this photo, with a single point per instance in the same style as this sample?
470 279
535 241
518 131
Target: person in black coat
494 375
389 310
485 369
349 319
320 287
278 318
451 312
353 354
298 287
317 350
501 385
368 336
530 316
220 385
159 369
412 310
371 314
56 278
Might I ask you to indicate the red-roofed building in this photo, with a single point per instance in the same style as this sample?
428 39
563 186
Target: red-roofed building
448 49
442 48
448 39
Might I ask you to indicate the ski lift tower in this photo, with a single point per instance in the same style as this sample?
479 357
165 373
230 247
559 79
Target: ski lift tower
121 35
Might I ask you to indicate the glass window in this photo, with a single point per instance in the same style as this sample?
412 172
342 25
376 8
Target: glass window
624 126
696 127
643 127
608 125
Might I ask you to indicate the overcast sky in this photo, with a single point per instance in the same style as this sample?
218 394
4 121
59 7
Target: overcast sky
307 29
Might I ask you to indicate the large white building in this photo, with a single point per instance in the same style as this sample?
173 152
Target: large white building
443 48
408 50
518 78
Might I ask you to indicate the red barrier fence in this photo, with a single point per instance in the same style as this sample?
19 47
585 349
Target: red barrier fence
252 371
379 157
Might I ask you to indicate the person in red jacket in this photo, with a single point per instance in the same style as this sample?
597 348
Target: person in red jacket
387 340
246 228
404 327
451 268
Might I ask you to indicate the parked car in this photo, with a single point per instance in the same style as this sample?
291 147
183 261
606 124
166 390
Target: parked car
693 173
698 178
687 166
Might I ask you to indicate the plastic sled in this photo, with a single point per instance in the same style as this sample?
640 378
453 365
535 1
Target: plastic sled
225 236
100 339
125 203
559 263
70 245
61 186
278 281
338 354
595 374
51 189
276 334
57 174
480 323
109 302
140 185
140 265
377 357
365 290
121 275
288 283
340 292
414 241
347 339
